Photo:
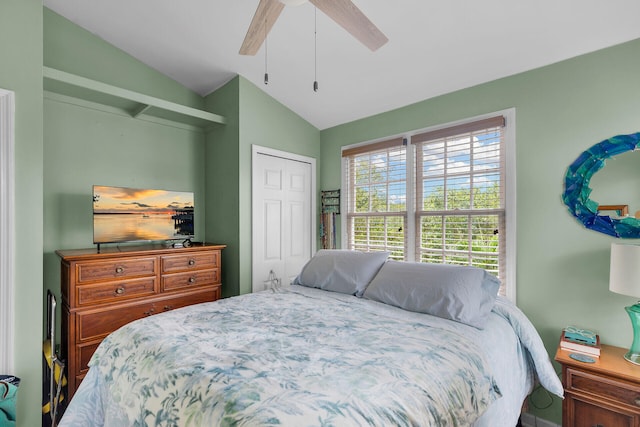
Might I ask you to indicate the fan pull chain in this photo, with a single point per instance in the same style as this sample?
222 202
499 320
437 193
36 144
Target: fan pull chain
315 47
266 74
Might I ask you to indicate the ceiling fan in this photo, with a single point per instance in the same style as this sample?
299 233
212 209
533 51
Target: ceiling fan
343 12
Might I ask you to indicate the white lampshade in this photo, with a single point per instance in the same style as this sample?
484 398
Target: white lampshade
624 274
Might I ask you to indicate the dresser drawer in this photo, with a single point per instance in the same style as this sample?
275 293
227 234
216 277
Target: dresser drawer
589 414
96 324
87 272
208 295
616 390
115 291
191 261
190 280
84 354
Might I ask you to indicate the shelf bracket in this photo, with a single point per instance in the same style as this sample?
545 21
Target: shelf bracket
140 110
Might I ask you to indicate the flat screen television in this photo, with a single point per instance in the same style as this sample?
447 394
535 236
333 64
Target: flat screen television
123 214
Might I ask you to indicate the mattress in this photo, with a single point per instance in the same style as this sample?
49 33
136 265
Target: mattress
298 356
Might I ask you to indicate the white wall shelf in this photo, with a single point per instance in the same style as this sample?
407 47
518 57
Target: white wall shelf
136 105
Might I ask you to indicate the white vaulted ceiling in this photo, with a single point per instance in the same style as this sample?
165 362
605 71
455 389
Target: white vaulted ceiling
434 47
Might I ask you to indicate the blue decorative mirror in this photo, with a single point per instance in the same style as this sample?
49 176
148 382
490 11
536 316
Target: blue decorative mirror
577 191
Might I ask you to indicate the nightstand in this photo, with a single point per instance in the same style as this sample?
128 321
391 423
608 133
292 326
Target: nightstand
601 394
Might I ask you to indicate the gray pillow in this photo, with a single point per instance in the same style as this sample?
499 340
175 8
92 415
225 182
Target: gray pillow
461 293
344 271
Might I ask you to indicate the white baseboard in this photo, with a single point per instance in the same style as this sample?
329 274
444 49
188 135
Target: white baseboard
529 420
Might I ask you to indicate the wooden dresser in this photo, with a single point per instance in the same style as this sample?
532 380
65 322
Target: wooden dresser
605 393
102 291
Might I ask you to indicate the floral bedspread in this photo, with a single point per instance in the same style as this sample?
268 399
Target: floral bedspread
293 357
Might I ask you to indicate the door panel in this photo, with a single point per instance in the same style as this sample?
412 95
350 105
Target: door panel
272 230
282 218
298 228
273 179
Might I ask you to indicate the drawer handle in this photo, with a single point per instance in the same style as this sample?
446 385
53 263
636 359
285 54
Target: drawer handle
149 312
192 279
192 261
167 307
637 401
119 269
119 291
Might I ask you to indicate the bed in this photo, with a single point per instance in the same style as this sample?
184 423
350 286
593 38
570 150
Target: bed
344 345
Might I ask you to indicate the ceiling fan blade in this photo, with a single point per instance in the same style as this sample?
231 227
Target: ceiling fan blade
348 16
264 18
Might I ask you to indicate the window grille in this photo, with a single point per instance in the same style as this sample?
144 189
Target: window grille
376 201
459 194
440 198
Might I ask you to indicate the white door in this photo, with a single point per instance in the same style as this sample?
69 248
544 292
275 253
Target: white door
283 216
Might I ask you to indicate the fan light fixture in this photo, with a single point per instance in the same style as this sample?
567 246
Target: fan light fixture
293 2
343 12
266 72
315 49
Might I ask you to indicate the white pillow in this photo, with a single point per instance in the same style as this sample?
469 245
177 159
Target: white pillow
461 293
344 271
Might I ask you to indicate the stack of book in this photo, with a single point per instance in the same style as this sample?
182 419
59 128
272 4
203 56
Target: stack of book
580 341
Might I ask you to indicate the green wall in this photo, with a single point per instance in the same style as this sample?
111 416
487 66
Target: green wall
562 109
260 120
85 145
222 183
70 48
21 72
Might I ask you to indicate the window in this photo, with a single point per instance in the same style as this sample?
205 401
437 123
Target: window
438 195
377 211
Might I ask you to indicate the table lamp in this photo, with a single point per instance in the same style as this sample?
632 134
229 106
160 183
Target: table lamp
624 278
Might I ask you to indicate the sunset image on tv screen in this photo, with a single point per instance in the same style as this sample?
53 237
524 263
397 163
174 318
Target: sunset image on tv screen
129 214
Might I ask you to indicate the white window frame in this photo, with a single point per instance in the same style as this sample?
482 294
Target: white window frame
509 191
392 144
7 243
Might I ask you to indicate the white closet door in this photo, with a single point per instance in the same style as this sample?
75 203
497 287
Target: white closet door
282 218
